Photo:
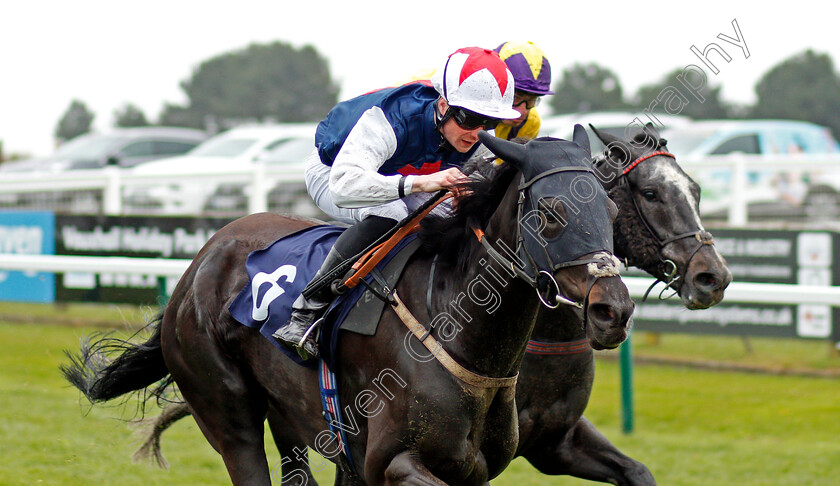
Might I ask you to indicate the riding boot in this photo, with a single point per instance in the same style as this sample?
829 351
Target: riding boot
301 330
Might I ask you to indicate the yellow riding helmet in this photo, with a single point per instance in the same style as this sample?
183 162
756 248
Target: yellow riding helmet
531 69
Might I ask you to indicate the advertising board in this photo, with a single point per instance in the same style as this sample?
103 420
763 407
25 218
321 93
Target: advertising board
29 233
765 256
131 236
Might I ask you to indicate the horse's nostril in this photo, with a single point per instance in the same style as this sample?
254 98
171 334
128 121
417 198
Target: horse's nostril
707 280
603 313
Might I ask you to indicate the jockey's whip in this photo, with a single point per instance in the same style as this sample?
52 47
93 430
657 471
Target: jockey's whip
342 268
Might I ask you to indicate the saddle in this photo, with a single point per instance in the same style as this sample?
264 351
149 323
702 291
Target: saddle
278 274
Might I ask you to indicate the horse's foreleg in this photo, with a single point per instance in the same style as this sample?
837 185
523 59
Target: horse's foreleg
406 469
586 453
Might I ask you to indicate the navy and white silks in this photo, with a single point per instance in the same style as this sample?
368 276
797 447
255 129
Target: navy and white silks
366 144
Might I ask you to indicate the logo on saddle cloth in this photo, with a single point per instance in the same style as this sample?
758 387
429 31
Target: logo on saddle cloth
259 308
278 274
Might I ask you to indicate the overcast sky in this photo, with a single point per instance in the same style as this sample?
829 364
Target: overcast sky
107 53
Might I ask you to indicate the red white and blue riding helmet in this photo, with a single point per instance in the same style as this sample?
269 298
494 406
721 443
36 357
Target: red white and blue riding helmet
477 80
530 68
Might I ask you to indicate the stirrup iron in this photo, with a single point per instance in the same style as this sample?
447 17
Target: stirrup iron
309 331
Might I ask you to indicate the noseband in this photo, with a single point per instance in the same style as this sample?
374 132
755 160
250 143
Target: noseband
702 236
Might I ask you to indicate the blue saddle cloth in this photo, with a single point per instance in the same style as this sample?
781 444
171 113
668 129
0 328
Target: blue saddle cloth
277 276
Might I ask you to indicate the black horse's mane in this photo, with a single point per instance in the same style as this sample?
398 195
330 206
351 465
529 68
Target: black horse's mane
451 237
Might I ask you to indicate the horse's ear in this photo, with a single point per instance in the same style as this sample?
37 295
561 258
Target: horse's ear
581 138
604 137
652 133
509 151
617 149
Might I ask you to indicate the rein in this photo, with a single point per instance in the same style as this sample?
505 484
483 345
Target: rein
558 298
702 236
372 257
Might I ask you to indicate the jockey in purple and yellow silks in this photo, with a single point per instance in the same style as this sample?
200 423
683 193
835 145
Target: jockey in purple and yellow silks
532 77
381 155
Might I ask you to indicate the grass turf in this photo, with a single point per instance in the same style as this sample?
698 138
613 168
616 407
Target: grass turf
693 427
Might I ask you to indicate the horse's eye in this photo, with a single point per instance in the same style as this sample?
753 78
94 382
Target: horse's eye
650 195
554 212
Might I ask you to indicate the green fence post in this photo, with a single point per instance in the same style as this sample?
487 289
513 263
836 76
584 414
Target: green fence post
626 365
163 295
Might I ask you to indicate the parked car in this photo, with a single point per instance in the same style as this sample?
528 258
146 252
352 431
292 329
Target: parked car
237 148
285 197
769 191
613 122
122 147
765 137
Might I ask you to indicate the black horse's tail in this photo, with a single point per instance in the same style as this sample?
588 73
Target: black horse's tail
150 430
136 366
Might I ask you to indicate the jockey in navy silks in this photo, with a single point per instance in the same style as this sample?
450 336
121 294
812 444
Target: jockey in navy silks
381 155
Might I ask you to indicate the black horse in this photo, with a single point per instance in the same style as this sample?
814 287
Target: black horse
427 425
657 229
657 202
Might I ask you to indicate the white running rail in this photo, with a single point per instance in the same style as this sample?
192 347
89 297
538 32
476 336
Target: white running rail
758 293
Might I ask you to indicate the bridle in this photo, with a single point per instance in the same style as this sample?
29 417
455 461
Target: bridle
670 269
532 273
601 264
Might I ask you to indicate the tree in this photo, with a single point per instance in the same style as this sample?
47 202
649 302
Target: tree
76 121
804 87
130 116
273 82
682 92
587 87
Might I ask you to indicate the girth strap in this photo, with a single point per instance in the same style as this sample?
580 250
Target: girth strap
332 409
555 349
458 371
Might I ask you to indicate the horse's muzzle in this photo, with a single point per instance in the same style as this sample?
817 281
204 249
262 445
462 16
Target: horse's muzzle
609 313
